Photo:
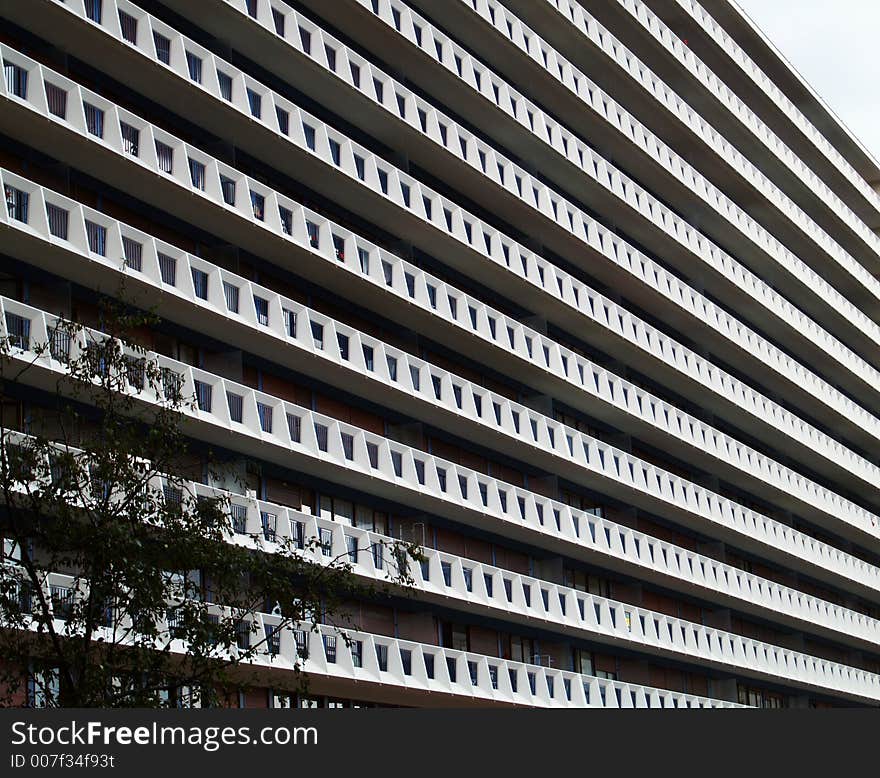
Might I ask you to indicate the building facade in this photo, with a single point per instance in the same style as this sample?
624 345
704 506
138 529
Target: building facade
583 298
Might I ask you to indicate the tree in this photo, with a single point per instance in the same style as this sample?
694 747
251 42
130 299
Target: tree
120 585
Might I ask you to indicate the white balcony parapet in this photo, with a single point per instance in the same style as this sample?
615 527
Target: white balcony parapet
464 494
422 116
737 55
504 594
562 70
204 284
568 363
410 666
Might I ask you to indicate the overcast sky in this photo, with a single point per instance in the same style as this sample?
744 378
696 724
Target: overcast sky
834 45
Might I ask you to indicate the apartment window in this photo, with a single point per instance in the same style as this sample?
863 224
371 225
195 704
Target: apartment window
197 173
264 412
165 156
261 308
94 119
203 396
130 138
317 335
224 81
252 8
17 202
132 251
290 322
200 283
93 10
128 25
309 133
283 120
321 436
168 269
368 357
446 567
18 330
269 522
298 534
286 217
278 19
163 48
342 342
56 99
235 403
258 204
227 189
255 103
357 653
382 656
339 247
325 538
16 78
58 220
243 635
62 602
97 237
335 151
331 57
392 367
312 230
230 292
194 65
351 546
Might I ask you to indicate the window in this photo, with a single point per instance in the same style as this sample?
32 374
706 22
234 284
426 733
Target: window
16 79
312 230
335 151
230 292
290 322
235 402
132 251
382 656
227 189
168 269
94 119
278 19
283 120
294 427
18 330
264 412
261 308
368 357
317 334
342 342
351 546
255 103
339 247
163 48
128 25
56 99
194 65
286 217
203 396
321 436
309 133
326 541
130 138
97 237
224 81
93 10
165 156
58 220
258 203
197 174
200 283
17 203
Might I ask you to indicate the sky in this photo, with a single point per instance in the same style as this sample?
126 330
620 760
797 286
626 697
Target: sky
834 46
